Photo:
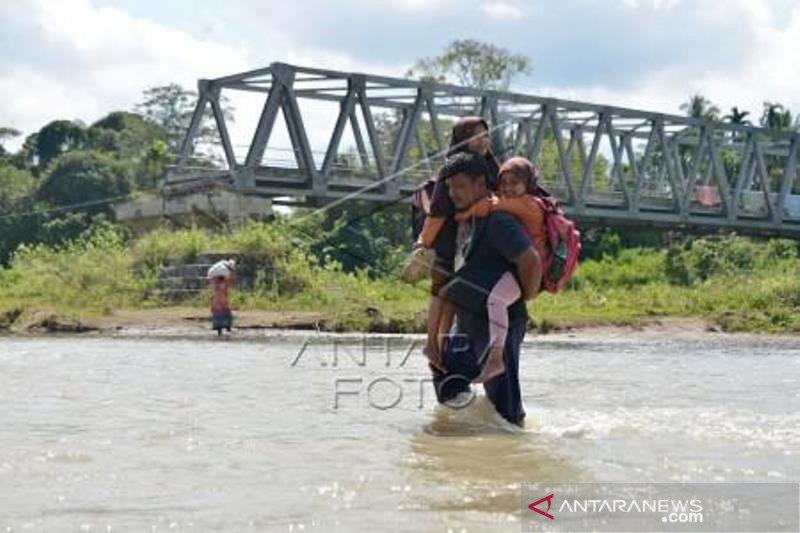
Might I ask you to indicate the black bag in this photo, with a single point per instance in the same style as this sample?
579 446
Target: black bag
421 205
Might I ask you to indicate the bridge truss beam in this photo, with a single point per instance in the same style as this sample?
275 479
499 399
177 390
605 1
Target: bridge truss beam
606 164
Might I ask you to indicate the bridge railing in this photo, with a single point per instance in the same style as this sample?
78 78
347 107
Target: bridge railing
603 162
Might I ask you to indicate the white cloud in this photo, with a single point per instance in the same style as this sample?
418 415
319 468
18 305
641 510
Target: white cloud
417 5
86 61
502 9
658 5
73 59
769 73
82 62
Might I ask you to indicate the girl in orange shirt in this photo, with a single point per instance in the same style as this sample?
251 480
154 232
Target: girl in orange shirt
518 186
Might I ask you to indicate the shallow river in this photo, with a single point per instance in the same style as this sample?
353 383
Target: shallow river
295 433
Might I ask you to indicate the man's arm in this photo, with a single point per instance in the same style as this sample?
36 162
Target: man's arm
529 270
516 247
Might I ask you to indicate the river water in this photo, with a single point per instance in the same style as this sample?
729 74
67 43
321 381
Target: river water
296 433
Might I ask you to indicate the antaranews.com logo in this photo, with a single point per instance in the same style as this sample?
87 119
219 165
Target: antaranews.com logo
661 507
672 510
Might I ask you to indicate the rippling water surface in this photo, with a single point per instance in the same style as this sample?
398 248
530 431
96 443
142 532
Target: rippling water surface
330 434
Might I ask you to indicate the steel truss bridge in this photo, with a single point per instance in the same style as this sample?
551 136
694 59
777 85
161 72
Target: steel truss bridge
607 165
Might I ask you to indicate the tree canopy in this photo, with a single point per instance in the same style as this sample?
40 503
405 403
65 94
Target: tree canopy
474 64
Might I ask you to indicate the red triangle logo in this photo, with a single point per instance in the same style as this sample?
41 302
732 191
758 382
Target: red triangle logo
549 500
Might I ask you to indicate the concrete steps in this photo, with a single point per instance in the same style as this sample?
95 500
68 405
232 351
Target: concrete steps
179 280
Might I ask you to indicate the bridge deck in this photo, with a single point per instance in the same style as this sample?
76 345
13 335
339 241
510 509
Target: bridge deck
607 164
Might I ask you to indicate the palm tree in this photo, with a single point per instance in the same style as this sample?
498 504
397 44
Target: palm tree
698 106
776 117
736 116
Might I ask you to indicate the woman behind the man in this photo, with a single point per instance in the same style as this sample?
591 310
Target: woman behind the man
438 233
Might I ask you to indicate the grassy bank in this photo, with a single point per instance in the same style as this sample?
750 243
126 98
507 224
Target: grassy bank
739 284
105 272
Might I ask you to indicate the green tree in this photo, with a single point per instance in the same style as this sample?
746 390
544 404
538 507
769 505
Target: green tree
132 138
14 183
126 134
25 158
82 177
171 107
467 62
776 117
474 64
486 66
16 196
698 106
360 236
56 138
154 165
62 227
737 116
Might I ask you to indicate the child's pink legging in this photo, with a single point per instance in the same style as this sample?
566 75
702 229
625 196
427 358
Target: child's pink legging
504 293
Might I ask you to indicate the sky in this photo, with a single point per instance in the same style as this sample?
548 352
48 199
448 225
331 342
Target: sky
80 59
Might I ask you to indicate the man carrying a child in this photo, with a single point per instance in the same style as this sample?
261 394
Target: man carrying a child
488 248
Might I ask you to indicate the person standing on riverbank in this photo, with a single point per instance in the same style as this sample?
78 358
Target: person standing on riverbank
222 276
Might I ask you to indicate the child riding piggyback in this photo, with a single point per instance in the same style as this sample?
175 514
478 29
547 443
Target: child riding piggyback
520 195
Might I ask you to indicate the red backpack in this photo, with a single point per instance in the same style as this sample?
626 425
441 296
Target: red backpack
564 245
563 238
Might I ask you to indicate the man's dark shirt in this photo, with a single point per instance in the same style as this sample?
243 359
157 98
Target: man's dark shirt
495 242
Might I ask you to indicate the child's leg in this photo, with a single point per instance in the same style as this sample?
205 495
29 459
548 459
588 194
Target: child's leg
505 292
440 275
435 312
